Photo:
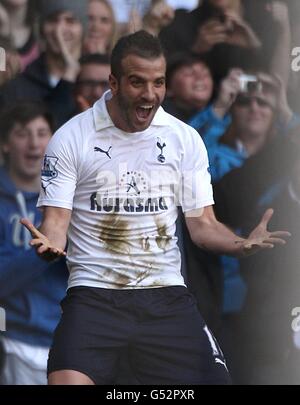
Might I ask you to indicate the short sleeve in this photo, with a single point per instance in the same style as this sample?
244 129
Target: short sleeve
59 170
196 188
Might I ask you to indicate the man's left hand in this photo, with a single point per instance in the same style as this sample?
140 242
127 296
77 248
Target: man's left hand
260 238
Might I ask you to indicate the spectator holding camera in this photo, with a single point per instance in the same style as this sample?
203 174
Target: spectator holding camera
268 351
216 28
258 110
222 22
270 20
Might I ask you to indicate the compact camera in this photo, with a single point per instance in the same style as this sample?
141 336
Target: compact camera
249 83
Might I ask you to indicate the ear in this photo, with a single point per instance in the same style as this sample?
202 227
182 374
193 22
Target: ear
114 84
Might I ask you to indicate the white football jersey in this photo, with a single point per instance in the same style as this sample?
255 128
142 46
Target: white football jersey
124 190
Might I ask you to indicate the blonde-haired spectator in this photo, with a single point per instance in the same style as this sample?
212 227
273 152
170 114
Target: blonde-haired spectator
102 28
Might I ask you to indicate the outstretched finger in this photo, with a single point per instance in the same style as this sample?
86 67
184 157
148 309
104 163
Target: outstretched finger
276 241
31 228
258 246
57 252
280 234
266 218
266 245
43 249
36 242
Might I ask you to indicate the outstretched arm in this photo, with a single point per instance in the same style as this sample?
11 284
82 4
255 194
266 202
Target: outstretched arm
51 238
210 234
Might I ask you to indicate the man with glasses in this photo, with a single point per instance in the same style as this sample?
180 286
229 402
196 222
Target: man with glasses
256 113
251 123
92 81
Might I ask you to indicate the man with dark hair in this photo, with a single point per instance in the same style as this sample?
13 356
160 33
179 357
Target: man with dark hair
129 45
92 80
122 168
190 86
30 288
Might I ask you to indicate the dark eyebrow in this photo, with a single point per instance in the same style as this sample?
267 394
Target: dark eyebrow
135 77
142 78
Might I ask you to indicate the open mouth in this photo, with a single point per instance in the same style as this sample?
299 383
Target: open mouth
200 87
33 159
144 112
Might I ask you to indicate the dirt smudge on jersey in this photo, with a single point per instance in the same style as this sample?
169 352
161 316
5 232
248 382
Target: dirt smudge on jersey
163 239
142 275
118 278
114 233
145 242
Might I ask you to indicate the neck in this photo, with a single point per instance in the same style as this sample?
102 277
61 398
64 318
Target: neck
25 184
184 106
252 143
115 113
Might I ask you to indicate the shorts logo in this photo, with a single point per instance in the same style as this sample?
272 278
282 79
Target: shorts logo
49 171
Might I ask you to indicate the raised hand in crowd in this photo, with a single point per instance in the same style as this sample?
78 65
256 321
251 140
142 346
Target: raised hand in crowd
229 88
12 67
239 32
70 56
281 59
135 22
209 34
232 30
4 22
284 109
159 16
279 12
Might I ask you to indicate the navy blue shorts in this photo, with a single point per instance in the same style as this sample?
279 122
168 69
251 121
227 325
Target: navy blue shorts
161 331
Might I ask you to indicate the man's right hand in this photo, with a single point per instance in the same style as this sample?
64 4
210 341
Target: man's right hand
42 244
70 57
209 34
4 22
229 89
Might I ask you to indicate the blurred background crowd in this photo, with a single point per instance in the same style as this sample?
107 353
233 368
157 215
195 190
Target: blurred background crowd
229 76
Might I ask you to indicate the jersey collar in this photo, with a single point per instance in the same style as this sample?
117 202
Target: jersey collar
102 118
